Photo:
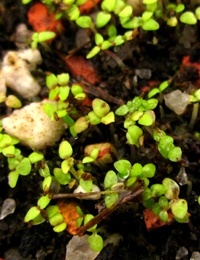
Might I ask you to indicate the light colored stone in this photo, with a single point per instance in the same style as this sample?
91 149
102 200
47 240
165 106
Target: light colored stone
177 101
33 127
16 68
79 249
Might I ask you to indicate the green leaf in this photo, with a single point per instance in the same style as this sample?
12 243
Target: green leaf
134 134
6 140
51 81
93 52
123 167
87 185
179 8
122 110
110 179
44 170
150 25
84 22
146 15
136 170
24 167
165 145
100 107
179 208
59 228
73 13
31 214
67 164
146 2
126 12
98 38
172 189
96 242
56 219
63 79
153 92
188 18
64 93
65 150
109 118
49 109
102 19
61 177
147 119
108 5
157 190
35 157
9 151
175 154
13 178
80 125
87 218
197 13
43 201
51 211
149 170
45 36
47 183
111 199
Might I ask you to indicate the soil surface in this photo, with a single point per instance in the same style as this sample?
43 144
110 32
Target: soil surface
143 62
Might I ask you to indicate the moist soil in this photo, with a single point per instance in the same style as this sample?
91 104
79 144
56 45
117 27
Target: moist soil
143 62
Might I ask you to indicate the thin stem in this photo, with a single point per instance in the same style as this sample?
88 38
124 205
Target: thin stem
81 195
195 111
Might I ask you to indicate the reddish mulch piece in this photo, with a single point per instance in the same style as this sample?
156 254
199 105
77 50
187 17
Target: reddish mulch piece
42 20
79 66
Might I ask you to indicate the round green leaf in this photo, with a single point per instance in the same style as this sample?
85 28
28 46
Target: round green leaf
110 179
84 21
150 25
111 199
43 201
61 177
179 208
31 214
13 178
175 154
87 218
59 228
102 19
149 170
35 157
96 242
65 150
172 188
123 167
188 18
24 167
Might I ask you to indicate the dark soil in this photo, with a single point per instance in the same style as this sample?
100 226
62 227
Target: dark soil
161 61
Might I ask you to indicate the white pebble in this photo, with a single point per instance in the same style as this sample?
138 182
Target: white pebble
16 68
177 101
33 127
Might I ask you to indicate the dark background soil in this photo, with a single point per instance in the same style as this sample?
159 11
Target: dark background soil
163 61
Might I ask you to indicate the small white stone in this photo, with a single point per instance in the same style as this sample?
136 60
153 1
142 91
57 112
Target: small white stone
8 208
177 101
78 249
33 127
95 188
16 72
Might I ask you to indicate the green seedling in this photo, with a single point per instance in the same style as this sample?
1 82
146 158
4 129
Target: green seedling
40 37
